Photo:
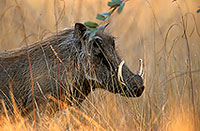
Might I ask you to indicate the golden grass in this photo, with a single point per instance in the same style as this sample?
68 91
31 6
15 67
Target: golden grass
152 30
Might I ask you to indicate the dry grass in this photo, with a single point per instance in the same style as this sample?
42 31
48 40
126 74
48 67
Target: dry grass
165 33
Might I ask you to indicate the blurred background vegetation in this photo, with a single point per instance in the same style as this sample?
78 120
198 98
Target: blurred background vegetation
164 33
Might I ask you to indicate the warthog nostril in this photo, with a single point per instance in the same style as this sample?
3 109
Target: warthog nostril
139 91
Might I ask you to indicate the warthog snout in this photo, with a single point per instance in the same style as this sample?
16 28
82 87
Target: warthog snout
132 84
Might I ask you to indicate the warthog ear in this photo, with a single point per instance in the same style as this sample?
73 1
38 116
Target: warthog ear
80 30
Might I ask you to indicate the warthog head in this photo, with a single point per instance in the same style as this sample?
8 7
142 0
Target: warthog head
102 64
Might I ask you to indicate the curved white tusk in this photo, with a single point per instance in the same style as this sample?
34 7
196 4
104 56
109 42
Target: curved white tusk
120 77
141 70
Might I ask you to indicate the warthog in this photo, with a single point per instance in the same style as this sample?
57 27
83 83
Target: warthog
66 61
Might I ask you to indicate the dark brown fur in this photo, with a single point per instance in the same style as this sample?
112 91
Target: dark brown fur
83 66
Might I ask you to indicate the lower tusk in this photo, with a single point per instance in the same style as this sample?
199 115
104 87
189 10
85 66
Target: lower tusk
120 77
141 69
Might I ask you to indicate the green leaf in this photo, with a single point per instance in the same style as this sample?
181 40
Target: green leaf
116 1
91 24
112 4
121 7
92 34
198 11
100 17
105 13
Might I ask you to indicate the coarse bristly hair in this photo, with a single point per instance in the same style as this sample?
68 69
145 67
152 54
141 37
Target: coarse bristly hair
65 61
